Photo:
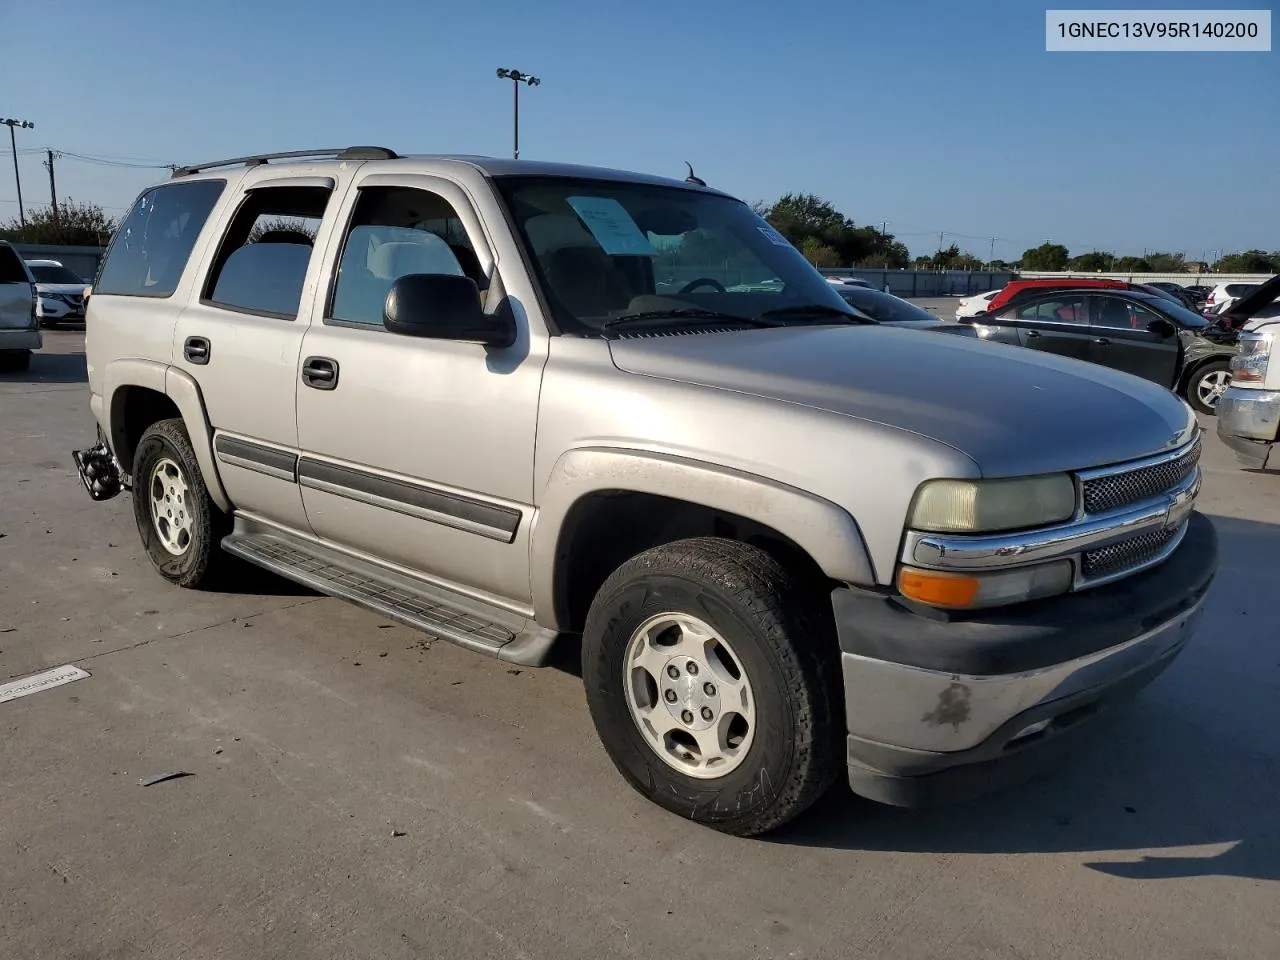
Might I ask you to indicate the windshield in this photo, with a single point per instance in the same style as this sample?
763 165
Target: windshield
604 249
52 274
885 307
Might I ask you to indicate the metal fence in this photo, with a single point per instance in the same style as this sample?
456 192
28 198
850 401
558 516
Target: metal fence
928 283
1182 279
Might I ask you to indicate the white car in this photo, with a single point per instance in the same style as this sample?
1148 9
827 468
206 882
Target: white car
1224 295
974 305
59 293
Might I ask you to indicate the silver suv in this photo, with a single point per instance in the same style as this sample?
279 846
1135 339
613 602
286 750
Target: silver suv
19 328
515 403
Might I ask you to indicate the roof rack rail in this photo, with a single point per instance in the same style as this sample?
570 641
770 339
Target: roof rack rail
334 153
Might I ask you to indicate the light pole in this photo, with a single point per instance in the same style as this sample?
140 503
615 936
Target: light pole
516 78
25 125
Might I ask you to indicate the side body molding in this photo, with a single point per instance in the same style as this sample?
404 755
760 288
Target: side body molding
823 529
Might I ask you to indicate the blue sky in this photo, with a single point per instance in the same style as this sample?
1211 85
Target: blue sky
934 116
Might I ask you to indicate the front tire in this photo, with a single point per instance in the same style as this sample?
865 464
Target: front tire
180 526
712 678
1206 385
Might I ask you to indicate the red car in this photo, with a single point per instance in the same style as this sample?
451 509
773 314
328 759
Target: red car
1015 287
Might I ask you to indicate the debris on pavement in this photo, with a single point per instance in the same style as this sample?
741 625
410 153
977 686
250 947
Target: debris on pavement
162 777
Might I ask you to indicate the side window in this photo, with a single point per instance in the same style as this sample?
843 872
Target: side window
395 232
1058 309
1117 314
151 246
11 270
262 263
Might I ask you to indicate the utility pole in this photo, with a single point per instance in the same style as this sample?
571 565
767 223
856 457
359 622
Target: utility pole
992 258
516 78
884 226
53 188
17 177
940 235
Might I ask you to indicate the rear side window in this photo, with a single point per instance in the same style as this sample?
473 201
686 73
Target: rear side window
262 263
11 267
151 247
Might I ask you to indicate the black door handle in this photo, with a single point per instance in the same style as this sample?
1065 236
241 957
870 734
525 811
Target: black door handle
320 373
1103 341
196 350
1032 333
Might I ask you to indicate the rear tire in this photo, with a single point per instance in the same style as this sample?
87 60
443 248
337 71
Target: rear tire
772 739
1206 384
180 526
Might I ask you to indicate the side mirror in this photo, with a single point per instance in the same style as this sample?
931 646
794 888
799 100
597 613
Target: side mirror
1161 327
442 306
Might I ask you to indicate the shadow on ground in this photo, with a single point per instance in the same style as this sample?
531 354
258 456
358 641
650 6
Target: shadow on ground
50 368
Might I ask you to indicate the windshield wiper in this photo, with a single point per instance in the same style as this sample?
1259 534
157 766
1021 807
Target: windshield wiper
816 310
682 316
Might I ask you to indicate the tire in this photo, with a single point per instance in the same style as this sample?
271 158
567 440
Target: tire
1205 386
191 555
773 628
15 361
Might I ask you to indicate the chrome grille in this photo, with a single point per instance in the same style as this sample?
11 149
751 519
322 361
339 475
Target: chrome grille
1121 489
1126 554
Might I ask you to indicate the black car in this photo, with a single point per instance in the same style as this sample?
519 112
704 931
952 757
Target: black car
1153 337
893 311
1181 293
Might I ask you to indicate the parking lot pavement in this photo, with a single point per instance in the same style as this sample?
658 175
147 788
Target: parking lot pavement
360 791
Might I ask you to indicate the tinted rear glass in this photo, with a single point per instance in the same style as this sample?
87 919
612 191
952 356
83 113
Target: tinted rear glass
1240 289
152 245
11 267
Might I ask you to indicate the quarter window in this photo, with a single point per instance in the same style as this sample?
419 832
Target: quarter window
151 246
262 263
1056 310
395 232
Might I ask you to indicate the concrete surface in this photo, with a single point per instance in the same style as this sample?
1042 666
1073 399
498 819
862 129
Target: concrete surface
317 733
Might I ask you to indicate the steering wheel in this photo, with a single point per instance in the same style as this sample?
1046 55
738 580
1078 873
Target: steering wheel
702 282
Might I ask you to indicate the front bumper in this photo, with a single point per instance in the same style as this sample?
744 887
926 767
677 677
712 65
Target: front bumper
1247 423
27 338
943 707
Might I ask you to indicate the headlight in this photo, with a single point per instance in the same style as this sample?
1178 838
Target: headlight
959 591
985 506
1249 365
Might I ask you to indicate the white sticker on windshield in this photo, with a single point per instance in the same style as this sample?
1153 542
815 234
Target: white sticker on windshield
612 226
774 237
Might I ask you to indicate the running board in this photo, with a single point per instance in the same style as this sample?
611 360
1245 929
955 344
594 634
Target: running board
435 610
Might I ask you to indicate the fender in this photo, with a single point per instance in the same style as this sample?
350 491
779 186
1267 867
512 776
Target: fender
185 394
821 528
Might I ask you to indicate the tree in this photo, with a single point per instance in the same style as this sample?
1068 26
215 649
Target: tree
1131 265
1251 261
819 254
1002 266
1093 262
801 217
77 225
1047 256
305 230
1165 262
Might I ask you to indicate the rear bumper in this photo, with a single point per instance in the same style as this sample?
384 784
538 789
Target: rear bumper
1247 423
941 709
25 339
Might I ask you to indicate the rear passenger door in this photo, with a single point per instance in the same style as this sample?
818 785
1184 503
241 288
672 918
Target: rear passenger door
1055 323
241 336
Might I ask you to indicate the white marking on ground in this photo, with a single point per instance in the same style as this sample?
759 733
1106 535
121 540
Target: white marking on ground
24 686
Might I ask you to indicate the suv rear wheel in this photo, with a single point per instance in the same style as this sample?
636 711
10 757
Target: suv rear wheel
711 678
180 526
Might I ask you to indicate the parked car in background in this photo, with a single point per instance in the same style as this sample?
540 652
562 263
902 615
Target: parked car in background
19 330
1249 411
1165 288
974 305
1152 337
893 311
1020 289
1225 294
1199 292
59 293
850 282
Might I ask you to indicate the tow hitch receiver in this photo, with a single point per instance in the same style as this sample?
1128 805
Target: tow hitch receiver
98 471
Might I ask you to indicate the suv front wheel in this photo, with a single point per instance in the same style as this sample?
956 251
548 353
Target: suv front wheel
1207 384
711 677
180 525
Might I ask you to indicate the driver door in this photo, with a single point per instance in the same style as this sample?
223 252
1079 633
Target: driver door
1121 339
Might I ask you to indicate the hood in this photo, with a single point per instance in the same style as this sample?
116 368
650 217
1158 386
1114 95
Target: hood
74 289
1013 411
1244 308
